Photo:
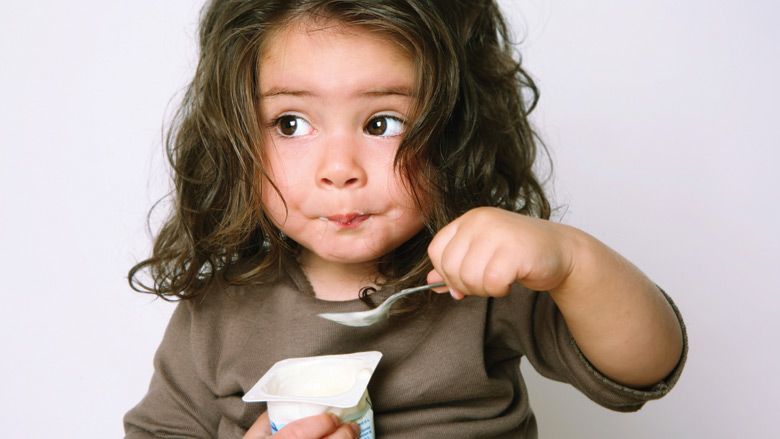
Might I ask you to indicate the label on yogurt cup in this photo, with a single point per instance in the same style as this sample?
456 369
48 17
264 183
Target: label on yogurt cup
299 387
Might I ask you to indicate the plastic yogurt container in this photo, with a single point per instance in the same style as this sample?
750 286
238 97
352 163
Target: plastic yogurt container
299 387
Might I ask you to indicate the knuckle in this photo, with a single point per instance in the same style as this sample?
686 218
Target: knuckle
471 279
450 269
496 281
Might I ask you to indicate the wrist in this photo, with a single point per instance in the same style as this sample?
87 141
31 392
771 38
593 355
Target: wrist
575 255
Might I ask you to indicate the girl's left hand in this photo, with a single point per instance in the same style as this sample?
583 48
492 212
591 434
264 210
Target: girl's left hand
322 426
487 249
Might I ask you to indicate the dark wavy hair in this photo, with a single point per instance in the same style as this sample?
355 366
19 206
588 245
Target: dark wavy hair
468 144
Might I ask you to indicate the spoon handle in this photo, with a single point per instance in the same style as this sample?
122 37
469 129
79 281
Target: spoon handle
416 289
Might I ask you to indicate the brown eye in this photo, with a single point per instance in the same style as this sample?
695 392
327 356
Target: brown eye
377 126
386 126
287 125
292 126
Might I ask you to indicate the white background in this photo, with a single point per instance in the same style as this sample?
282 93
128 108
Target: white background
662 118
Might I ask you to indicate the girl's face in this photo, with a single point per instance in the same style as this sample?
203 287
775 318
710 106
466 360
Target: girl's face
334 103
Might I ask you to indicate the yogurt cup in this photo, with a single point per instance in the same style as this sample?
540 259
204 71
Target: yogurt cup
336 384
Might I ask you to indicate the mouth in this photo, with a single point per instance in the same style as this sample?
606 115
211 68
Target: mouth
350 220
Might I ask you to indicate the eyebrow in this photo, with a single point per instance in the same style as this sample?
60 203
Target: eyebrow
391 91
278 91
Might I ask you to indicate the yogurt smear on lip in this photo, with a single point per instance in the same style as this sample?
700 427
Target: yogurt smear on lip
348 220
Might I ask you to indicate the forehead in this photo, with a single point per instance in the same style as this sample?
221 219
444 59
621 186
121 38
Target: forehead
329 52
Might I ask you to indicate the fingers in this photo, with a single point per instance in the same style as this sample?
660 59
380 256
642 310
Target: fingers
260 429
475 255
349 430
319 426
436 251
324 426
433 278
478 268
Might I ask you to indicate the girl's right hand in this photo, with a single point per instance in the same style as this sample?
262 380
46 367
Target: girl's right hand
320 426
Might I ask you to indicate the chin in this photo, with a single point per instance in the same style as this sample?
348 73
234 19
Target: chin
351 258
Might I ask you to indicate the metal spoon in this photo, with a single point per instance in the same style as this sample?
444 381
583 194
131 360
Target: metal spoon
368 318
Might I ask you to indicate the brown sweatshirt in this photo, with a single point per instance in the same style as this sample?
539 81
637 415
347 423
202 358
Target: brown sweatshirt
449 372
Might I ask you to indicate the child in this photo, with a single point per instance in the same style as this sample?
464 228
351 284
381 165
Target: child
329 147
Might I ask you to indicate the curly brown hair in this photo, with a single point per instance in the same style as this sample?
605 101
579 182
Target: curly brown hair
468 143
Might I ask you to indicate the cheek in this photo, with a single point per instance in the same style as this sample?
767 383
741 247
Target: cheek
405 192
272 202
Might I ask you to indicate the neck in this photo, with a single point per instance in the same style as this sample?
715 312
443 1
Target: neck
335 281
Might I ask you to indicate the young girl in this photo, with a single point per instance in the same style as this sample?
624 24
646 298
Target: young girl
331 152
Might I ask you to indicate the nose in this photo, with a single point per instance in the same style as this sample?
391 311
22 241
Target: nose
341 164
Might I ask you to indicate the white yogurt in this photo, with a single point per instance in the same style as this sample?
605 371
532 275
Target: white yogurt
299 387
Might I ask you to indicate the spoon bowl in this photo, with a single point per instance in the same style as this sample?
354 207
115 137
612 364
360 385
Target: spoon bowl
376 315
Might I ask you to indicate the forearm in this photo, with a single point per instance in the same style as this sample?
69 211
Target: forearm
620 320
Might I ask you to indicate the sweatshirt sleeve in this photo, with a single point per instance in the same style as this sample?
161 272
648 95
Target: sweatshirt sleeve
175 404
542 336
